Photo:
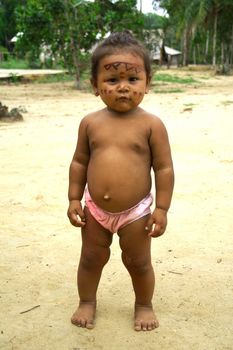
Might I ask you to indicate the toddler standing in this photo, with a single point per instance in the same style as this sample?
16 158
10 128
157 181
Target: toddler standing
116 149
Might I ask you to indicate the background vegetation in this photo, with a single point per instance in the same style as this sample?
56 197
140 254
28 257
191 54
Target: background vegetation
66 30
203 29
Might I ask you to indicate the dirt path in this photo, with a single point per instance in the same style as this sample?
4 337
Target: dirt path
39 248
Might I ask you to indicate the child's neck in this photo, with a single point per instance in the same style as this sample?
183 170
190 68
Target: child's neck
124 114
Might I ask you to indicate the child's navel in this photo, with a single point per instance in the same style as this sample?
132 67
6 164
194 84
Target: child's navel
106 197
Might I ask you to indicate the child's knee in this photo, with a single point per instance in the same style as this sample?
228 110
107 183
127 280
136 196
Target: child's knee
137 265
91 260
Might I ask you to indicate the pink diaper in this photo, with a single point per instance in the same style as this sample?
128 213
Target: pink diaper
115 221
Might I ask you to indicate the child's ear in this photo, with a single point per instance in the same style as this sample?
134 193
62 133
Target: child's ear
94 87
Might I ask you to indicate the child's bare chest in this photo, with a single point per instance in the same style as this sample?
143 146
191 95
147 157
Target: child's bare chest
125 137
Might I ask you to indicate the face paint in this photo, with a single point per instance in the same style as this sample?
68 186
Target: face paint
121 75
128 66
138 93
105 91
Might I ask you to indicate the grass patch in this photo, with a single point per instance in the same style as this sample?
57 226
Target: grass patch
167 91
163 77
54 78
66 78
227 103
13 63
189 104
205 77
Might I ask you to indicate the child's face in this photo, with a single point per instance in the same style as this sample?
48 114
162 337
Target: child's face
121 81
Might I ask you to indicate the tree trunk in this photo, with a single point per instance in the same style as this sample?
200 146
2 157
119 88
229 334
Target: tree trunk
186 46
198 53
140 6
194 51
74 47
231 48
207 47
222 53
194 55
215 37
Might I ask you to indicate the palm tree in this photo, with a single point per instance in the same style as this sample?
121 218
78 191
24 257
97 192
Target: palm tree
140 6
210 19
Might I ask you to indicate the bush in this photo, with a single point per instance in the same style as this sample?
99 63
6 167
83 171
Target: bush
13 63
4 54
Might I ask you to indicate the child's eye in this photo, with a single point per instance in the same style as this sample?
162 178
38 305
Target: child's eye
112 80
133 78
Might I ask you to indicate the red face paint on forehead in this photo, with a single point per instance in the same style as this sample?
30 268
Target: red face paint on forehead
128 66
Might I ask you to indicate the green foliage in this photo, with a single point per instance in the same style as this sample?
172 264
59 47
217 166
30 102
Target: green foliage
54 78
7 20
154 21
162 77
4 54
13 63
119 15
204 27
3 49
68 28
168 91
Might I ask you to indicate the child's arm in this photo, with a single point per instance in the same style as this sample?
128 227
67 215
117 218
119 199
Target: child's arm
78 177
164 178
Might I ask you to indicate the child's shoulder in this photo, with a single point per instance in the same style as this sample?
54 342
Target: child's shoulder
151 118
91 117
153 124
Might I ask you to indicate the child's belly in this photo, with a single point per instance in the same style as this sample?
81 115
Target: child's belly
118 183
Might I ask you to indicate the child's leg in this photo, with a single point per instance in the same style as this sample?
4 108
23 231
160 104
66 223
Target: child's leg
136 256
94 255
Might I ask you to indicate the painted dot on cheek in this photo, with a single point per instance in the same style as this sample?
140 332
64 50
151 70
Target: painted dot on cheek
135 93
110 91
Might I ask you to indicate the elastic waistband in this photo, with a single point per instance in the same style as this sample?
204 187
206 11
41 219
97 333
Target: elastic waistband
148 197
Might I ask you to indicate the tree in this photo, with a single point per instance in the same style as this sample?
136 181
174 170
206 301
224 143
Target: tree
199 20
70 27
154 21
119 15
7 21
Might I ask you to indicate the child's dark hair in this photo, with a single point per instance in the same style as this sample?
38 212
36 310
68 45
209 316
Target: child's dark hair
115 43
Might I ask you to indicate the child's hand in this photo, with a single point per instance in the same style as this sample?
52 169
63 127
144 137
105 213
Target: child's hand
157 223
75 214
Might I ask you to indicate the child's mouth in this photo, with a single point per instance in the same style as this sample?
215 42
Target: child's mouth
123 98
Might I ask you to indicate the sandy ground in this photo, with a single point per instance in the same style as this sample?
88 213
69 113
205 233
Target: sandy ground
40 249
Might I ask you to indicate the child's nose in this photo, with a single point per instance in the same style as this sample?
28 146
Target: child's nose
123 86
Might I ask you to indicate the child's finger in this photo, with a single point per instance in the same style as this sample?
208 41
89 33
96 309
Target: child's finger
82 221
81 215
157 231
149 224
76 220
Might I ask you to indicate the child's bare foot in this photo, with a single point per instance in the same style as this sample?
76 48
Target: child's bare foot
84 315
145 319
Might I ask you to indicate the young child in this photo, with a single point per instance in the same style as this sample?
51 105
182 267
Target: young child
116 149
